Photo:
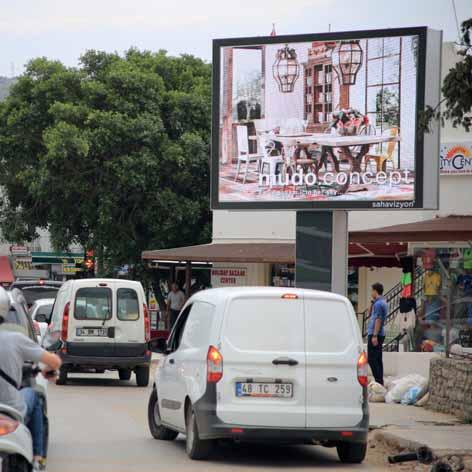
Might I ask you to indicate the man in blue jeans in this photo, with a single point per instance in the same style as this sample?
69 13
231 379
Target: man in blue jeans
15 350
376 332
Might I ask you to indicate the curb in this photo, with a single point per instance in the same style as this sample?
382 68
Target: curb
395 441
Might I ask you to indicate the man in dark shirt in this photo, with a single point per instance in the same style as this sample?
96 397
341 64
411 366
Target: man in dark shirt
376 332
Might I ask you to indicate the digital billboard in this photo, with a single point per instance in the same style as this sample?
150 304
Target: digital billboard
325 121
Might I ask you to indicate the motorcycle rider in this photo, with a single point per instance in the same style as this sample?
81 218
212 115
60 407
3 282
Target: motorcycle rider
15 350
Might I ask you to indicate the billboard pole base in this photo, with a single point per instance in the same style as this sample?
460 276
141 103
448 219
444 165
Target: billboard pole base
322 250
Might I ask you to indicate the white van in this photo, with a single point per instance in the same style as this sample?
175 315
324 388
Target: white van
260 363
104 325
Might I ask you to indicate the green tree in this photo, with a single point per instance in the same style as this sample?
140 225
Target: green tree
113 155
456 90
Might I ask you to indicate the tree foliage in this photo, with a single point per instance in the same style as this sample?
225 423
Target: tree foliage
456 89
112 155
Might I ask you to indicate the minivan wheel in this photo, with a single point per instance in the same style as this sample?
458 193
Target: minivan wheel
142 375
352 453
197 449
158 431
125 374
62 377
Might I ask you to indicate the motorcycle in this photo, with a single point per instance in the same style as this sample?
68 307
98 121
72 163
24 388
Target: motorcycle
16 444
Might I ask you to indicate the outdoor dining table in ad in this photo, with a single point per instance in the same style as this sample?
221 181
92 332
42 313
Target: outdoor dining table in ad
350 148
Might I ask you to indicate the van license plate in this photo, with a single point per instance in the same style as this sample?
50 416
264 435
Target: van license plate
101 332
265 390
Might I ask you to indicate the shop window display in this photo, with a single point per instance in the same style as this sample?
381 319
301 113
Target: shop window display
447 277
283 275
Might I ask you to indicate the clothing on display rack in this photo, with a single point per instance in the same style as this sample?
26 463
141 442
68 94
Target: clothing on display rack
406 283
432 283
432 308
468 258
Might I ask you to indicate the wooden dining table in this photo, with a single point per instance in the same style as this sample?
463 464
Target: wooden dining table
350 148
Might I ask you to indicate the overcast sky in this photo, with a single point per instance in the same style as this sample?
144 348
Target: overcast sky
64 29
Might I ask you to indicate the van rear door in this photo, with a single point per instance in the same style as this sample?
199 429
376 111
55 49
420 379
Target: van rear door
91 321
333 393
263 349
129 323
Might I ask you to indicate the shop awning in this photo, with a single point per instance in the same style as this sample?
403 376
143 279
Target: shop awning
275 253
449 228
6 272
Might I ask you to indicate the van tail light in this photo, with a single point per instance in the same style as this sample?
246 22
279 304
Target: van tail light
147 323
214 365
65 322
362 369
7 425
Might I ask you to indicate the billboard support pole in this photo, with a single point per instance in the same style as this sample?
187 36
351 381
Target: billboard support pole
322 250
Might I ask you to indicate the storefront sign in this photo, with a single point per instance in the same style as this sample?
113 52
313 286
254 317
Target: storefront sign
17 250
228 277
70 269
22 263
456 158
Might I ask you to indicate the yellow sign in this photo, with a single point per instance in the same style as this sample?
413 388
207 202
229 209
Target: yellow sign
70 269
23 264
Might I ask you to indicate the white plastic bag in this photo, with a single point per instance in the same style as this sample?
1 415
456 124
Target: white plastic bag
376 392
401 386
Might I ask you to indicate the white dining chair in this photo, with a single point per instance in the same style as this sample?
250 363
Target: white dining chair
244 157
268 162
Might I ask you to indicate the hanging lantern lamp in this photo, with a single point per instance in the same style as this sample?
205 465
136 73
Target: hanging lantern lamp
286 69
347 60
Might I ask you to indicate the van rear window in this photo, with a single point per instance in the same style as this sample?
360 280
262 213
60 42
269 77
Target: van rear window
265 324
93 303
328 326
128 304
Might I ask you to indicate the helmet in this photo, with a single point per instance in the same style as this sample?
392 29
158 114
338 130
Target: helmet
4 304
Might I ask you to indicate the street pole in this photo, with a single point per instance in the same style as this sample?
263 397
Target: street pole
448 306
322 250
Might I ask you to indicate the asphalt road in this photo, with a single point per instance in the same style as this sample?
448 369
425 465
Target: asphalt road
99 423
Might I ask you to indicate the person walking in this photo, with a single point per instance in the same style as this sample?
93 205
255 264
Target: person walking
376 332
175 302
15 350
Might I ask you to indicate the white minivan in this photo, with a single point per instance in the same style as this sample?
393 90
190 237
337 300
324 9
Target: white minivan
103 325
263 363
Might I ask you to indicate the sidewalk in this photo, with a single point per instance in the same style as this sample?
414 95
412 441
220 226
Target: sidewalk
408 427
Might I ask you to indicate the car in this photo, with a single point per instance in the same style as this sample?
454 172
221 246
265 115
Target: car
35 289
104 325
263 363
41 315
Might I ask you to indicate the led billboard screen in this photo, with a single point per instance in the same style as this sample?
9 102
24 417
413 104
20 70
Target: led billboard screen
322 121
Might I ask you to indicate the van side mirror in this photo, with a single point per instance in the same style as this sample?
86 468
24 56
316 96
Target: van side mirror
158 346
55 346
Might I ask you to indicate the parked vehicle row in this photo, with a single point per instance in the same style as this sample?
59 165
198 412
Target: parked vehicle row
241 364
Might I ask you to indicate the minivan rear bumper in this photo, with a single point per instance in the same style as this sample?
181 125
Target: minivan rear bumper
211 427
110 362
251 433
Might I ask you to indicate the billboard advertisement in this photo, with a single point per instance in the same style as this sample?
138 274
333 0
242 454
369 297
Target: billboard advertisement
321 121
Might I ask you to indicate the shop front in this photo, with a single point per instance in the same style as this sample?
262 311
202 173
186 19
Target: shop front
431 303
